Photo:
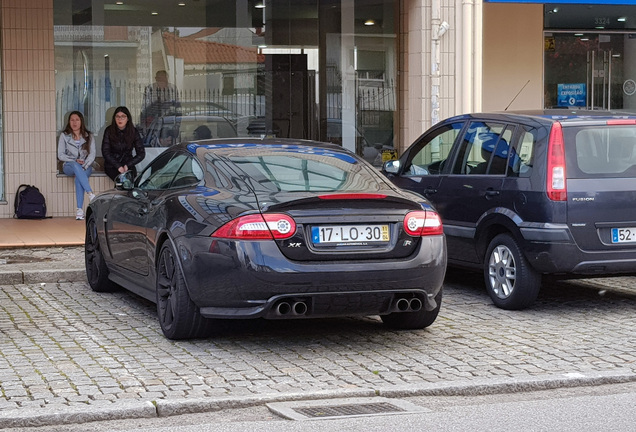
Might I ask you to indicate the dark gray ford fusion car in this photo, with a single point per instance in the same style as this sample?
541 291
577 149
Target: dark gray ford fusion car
523 195
275 229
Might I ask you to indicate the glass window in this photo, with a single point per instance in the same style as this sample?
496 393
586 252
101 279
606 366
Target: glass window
290 69
601 152
523 154
589 70
316 171
430 154
162 171
484 149
190 174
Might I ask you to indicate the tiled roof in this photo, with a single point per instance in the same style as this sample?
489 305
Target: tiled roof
208 31
194 51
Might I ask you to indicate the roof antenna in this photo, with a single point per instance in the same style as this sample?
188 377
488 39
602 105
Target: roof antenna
513 99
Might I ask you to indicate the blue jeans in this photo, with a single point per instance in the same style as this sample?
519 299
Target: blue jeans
81 175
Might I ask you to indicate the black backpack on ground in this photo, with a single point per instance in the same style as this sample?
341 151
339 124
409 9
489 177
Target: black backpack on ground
29 203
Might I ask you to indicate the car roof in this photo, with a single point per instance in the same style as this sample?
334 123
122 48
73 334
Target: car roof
251 143
549 116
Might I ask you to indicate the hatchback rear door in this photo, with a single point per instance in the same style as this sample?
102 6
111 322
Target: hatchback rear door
601 185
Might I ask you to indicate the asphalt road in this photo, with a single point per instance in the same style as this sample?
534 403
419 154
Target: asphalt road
69 355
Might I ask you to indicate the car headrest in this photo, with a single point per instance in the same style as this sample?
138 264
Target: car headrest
488 143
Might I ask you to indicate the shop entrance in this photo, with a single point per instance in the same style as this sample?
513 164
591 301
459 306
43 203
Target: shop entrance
590 71
602 71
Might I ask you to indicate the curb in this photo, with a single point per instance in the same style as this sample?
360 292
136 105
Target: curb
164 408
56 416
17 277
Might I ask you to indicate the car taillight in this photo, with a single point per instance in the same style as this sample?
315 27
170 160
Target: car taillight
556 187
258 227
423 223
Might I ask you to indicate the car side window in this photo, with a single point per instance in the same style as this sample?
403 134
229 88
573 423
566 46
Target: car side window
522 156
430 154
160 173
190 174
484 149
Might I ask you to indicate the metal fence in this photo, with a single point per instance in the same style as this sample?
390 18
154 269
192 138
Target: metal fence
373 102
96 98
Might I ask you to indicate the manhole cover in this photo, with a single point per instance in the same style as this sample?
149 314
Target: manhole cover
332 408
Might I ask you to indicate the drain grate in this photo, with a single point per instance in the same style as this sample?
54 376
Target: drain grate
334 408
347 410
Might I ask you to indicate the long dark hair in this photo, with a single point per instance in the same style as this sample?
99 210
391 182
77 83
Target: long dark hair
84 133
129 130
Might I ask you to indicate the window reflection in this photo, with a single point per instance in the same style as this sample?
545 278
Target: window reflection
311 69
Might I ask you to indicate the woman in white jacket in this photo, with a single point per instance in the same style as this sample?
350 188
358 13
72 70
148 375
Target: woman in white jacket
76 148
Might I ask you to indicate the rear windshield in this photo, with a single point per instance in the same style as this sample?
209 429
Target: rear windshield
601 151
296 172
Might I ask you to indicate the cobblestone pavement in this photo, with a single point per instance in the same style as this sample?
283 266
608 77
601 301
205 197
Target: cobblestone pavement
68 354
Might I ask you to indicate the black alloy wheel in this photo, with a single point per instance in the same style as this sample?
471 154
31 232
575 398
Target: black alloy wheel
179 317
96 269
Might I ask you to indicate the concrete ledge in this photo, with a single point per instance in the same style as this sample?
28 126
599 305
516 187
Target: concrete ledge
192 406
58 275
14 277
489 386
56 416
17 277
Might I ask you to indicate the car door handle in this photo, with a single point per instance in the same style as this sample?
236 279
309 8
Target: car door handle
491 193
429 191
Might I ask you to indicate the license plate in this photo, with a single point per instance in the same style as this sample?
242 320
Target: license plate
350 234
624 235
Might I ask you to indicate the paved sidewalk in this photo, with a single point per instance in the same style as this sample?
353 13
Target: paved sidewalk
69 355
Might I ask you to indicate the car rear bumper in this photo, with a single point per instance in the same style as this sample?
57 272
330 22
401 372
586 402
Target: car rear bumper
233 279
555 252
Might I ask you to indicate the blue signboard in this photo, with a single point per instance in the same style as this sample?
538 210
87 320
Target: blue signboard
594 2
570 95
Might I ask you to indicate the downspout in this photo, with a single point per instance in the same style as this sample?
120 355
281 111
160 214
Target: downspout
468 56
478 44
438 29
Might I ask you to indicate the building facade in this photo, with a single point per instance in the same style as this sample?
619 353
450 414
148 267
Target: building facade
370 75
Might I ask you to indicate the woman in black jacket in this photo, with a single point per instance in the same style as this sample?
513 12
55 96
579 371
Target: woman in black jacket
120 139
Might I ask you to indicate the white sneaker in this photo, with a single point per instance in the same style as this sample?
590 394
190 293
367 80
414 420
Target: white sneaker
79 214
91 196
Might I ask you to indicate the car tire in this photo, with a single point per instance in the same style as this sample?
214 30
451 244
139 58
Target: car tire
510 281
179 317
96 269
413 320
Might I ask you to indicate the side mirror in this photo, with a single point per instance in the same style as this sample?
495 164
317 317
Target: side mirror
391 166
124 181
